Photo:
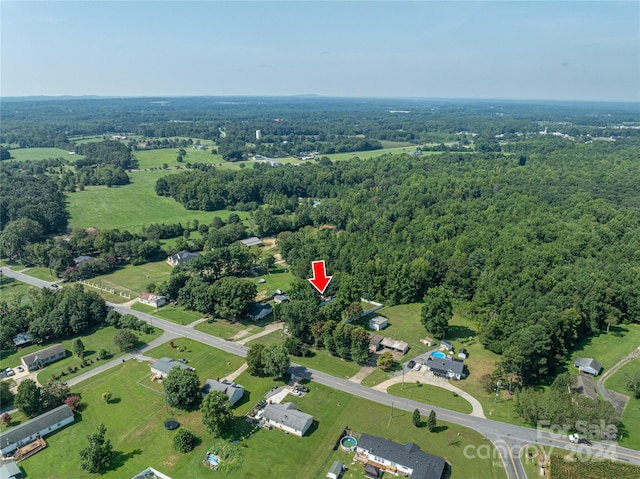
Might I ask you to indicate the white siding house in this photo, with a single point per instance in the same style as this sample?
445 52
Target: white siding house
287 417
45 356
29 431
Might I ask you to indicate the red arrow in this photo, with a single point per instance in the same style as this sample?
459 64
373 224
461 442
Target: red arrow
320 280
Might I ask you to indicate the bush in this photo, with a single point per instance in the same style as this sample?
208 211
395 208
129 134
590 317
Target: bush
184 440
103 354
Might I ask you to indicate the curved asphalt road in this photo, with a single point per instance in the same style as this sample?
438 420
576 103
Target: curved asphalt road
508 438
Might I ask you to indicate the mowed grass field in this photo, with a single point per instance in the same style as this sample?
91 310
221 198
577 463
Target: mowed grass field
631 415
11 289
134 421
43 154
157 158
132 206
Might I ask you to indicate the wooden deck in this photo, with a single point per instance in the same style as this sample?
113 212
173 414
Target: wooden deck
29 450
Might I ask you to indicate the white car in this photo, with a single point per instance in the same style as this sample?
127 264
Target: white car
9 372
417 367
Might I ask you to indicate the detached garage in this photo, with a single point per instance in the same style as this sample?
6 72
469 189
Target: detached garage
337 468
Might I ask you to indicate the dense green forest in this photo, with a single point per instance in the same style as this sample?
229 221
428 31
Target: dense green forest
543 247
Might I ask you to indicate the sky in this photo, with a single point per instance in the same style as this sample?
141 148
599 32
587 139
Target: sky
543 50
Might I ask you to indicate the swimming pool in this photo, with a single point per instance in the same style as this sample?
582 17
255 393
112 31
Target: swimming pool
348 443
438 354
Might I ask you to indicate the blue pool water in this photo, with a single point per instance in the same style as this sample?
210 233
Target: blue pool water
438 354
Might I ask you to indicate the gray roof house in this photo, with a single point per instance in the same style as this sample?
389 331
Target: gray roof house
21 339
588 365
233 391
407 459
10 470
260 311
29 431
181 258
162 366
45 356
449 368
287 417
446 345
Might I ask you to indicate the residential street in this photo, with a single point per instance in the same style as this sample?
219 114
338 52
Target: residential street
507 438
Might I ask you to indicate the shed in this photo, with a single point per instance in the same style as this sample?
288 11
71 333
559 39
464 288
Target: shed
253 241
588 365
374 342
428 341
446 345
378 323
337 468
10 470
395 345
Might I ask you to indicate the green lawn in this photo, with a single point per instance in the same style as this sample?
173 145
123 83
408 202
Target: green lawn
41 273
175 314
132 206
134 425
225 329
631 415
432 395
210 363
278 279
43 154
608 348
11 289
101 338
132 279
157 158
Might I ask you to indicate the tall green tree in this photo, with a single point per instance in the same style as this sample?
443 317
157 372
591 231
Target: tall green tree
97 456
77 346
233 296
431 421
28 398
182 388
416 418
216 413
255 362
276 360
437 311
126 340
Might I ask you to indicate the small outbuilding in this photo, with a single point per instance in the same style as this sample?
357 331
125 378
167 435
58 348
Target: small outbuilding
10 470
378 323
253 241
463 353
588 365
446 345
395 345
152 299
337 468
428 341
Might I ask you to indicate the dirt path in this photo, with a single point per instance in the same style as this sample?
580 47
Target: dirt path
268 330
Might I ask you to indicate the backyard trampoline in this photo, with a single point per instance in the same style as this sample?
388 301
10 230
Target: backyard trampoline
171 424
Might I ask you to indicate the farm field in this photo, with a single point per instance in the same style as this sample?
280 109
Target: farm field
576 469
131 206
43 154
157 158
140 440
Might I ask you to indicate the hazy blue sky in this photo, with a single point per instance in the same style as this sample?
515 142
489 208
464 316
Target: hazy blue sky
503 49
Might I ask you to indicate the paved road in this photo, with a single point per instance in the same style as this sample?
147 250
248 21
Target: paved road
507 438
38 283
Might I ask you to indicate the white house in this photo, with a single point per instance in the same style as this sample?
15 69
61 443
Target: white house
30 430
288 418
45 356
407 460
152 299
181 258
260 311
233 391
378 323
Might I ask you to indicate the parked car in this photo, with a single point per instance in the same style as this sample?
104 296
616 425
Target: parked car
574 438
20 369
9 372
183 360
295 392
418 367
411 364
303 389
